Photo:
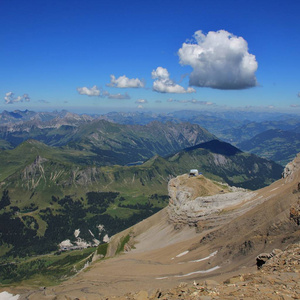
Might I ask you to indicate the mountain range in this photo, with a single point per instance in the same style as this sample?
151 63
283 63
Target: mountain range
236 127
274 144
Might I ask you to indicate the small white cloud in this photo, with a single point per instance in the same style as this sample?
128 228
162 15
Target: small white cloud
119 96
163 83
140 106
10 98
93 91
98 92
141 101
220 60
295 105
125 82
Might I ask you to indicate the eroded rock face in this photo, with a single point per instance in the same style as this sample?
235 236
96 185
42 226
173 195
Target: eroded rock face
291 168
195 199
262 258
295 213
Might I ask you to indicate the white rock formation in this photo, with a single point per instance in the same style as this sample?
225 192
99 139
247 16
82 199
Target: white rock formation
106 239
186 208
76 232
291 168
65 244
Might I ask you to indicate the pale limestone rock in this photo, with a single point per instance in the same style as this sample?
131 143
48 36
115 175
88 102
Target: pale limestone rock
291 169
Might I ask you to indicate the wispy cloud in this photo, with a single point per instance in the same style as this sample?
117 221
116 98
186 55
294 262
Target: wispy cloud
125 82
10 98
98 92
163 83
192 101
119 96
141 101
43 101
220 60
298 94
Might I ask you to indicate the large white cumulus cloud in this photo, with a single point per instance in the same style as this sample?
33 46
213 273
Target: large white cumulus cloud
219 60
163 83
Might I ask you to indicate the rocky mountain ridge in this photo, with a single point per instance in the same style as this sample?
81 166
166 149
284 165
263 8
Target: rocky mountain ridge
271 136
107 143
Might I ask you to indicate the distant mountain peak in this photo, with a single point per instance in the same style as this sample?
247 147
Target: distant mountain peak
216 146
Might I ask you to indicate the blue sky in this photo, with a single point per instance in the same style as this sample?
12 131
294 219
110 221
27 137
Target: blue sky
99 56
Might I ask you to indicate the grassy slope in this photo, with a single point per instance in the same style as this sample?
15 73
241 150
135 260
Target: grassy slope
45 270
59 174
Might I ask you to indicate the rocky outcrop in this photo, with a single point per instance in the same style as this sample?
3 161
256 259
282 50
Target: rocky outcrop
34 172
262 258
291 169
194 200
295 213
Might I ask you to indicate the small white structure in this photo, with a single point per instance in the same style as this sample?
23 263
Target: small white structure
194 172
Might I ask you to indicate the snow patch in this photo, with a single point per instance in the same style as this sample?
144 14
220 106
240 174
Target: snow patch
192 273
205 258
199 272
183 253
7 296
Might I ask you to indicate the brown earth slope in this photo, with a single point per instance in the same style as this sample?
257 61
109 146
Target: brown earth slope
219 239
